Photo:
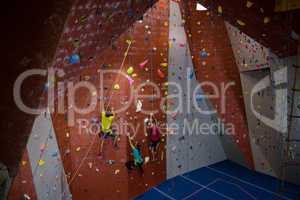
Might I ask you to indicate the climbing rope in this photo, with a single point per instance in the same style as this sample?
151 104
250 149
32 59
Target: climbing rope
94 139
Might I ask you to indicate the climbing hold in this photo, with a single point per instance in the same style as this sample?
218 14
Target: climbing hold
173 148
173 115
74 59
116 86
55 154
139 106
191 75
128 42
26 197
267 20
130 71
241 23
203 54
110 162
146 120
147 159
220 10
160 73
164 64
129 79
42 147
90 164
41 162
249 4
142 65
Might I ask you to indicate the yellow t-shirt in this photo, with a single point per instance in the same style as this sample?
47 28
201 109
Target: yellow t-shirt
106 122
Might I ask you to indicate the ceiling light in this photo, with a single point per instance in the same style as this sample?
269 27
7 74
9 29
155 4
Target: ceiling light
200 7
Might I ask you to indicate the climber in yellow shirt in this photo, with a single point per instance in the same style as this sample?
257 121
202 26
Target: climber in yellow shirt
106 121
107 131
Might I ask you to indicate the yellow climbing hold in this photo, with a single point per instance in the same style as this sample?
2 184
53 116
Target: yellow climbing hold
116 86
241 23
267 20
41 162
249 4
128 41
164 64
220 10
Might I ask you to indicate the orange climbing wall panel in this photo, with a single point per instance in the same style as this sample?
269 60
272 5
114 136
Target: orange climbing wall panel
207 33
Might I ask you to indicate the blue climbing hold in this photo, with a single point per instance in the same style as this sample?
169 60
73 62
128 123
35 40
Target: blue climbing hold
74 59
203 54
199 97
191 75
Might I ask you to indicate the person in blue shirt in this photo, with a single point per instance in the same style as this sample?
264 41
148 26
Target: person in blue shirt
137 161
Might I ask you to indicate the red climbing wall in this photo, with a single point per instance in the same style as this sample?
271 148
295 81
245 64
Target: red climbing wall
92 31
92 26
207 34
153 47
23 182
89 175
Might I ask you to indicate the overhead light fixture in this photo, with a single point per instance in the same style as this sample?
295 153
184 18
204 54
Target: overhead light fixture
200 7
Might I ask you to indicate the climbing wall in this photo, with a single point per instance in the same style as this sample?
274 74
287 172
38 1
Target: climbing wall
42 174
216 68
293 172
22 184
265 79
188 147
93 25
295 61
151 47
147 44
264 139
254 61
47 169
249 54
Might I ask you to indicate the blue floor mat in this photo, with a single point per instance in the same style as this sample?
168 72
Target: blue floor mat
224 180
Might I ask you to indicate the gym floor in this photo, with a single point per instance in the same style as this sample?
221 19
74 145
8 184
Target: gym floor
224 180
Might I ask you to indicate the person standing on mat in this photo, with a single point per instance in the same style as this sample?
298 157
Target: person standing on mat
107 131
137 161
